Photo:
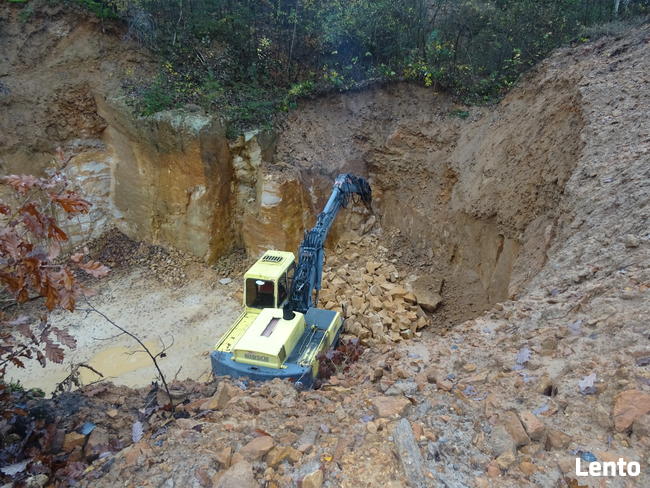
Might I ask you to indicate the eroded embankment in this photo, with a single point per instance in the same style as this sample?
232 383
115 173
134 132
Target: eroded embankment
470 205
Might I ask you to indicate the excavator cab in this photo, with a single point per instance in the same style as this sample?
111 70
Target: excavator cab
266 288
267 282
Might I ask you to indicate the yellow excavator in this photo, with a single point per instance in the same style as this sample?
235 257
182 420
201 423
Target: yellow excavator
280 333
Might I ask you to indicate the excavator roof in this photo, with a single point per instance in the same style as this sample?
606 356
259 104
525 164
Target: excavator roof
271 265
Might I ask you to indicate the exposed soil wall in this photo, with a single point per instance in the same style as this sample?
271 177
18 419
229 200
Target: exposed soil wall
171 179
475 199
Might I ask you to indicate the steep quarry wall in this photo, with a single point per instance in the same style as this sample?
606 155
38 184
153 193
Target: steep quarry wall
53 69
171 179
476 199
470 201
165 179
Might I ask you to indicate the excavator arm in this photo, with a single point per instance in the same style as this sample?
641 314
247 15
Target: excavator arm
308 274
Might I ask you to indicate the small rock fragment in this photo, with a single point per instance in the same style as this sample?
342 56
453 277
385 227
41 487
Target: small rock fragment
629 406
505 460
534 427
390 406
428 300
281 453
257 448
239 475
409 454
97 442
443 384
72 440
469 367
557 440
493 470
631 241
223 456
38 481
515 429
225 392
527 468
313 479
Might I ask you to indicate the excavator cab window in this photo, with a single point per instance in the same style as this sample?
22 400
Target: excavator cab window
284 283
259 293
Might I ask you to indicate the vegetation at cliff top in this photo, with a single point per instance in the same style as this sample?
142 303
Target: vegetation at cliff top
249 59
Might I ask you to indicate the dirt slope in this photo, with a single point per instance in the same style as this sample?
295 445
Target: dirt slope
468 205
511 397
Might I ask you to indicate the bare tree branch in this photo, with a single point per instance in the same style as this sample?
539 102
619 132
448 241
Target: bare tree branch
139 341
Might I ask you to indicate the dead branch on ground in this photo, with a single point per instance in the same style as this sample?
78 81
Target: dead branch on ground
152 356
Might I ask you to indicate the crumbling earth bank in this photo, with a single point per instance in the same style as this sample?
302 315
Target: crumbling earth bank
508 398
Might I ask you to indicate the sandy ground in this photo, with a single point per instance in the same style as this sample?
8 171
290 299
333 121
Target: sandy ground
190 318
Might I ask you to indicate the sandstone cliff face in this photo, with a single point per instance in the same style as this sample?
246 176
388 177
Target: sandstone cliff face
171 179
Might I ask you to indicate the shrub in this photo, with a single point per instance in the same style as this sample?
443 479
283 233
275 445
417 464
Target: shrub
475 49
156 98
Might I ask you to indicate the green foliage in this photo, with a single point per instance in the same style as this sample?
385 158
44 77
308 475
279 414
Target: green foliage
461 114
26 14
278 51
103 9
155 98
16 387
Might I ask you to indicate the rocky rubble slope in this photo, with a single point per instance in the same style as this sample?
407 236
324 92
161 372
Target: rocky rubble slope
509 398
554 243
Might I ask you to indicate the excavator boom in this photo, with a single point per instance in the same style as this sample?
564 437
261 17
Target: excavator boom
308 276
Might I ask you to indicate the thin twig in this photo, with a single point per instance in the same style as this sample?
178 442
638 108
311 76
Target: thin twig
73 378
177 373
142 344
108 338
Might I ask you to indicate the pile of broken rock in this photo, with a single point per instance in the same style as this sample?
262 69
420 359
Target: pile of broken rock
379 305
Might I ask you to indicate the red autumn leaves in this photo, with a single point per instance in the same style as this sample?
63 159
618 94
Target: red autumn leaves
31 265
